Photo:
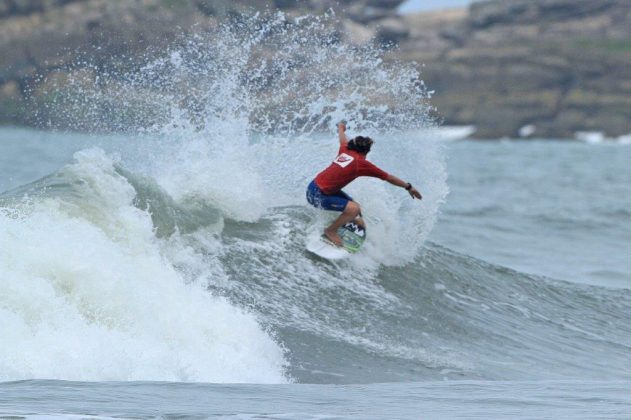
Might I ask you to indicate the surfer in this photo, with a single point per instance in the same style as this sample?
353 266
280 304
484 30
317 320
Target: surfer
325 191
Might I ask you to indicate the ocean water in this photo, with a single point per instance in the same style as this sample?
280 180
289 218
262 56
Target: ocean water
116 295
161 271
558 209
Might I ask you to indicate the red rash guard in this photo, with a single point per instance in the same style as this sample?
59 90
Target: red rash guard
348 165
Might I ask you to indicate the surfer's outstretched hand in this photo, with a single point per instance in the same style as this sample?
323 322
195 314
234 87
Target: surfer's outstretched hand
414 193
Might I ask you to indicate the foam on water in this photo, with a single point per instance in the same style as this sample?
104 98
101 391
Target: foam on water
89 293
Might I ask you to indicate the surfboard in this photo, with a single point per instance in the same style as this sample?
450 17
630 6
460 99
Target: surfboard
353 236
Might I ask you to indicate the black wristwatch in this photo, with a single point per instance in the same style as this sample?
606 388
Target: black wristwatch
409 187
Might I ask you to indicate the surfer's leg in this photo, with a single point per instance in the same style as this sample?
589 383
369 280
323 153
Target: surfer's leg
359 219
350 212
335 202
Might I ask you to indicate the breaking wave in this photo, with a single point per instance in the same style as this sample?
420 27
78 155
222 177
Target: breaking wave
178 253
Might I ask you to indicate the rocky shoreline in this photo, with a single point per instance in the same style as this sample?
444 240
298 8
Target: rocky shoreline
529 68
544 68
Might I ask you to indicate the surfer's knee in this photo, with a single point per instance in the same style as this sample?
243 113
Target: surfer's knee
353 208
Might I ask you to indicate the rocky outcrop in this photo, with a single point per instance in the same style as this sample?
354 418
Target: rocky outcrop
40 38
560 66
557 66
41 41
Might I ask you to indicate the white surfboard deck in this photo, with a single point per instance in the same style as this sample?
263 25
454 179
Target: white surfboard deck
324 249
352 235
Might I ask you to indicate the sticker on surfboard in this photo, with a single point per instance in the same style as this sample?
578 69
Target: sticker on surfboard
353 237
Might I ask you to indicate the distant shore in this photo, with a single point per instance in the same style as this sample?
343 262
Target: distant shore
512 68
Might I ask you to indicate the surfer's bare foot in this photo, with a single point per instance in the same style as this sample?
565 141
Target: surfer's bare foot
333 237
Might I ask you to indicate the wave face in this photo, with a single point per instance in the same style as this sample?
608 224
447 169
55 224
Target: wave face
441 315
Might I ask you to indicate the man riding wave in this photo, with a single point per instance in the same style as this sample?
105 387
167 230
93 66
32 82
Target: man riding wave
325 191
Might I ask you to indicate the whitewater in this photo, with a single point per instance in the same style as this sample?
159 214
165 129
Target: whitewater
153 251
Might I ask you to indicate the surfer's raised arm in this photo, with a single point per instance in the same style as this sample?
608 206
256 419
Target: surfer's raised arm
414 193
341 132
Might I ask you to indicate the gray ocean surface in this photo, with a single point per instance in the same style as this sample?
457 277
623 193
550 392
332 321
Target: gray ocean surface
138 286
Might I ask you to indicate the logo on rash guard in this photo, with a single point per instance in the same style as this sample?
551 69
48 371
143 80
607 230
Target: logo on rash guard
344 160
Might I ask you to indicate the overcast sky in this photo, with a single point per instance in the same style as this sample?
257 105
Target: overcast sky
417 5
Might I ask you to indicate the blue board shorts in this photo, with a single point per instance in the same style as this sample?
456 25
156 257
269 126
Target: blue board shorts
335 202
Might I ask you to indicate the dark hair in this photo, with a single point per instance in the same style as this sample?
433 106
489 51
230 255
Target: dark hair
360 144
